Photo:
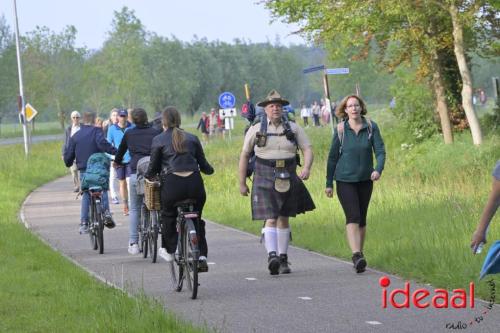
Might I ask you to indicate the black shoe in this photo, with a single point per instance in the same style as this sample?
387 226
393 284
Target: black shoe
108 220
359 262
202 266
273 263
284 269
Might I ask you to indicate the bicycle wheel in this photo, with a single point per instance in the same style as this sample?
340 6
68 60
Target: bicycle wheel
99 226
191 254
144 230
92 233
153 235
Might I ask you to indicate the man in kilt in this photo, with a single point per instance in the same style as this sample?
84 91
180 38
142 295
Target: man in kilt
277 191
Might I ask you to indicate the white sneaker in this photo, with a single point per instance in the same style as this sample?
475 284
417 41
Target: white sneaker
133 249
162 252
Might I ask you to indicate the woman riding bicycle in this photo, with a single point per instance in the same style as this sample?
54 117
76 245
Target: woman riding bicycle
178 157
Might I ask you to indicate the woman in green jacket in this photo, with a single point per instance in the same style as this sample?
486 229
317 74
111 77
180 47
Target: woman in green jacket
350 164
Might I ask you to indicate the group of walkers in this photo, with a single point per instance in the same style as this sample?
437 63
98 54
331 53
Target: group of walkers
318 113
278 191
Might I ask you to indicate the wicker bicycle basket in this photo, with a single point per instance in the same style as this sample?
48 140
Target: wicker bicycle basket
152 194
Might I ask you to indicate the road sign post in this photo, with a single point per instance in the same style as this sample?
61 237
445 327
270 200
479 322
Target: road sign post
227 101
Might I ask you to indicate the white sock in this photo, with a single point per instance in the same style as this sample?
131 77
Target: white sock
270 239
283 239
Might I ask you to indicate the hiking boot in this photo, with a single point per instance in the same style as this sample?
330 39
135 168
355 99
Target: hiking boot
84 228
273 263
202 264
284 269
359 262
108 220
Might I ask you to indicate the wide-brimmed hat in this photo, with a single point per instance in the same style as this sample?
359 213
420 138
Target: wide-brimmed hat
273 97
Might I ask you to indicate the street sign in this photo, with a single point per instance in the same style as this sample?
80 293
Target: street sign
227 113
313 69
30 112
337 71
227 100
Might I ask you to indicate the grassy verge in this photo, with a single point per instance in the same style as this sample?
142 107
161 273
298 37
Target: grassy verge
13 130
421 217
41 291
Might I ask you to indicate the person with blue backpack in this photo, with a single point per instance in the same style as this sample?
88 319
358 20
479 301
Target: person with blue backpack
80 148
350 163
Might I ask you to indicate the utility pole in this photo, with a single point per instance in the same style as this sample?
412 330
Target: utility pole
21 103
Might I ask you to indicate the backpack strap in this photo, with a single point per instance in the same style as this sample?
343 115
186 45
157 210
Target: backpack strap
340 133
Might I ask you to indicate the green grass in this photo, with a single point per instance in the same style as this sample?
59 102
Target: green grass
421 217
41 291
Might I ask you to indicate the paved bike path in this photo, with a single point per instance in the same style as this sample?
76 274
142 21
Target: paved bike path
322 294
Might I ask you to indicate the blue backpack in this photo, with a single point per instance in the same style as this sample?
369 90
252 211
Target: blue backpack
97 173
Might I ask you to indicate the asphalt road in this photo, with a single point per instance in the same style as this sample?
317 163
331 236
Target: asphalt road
322 294
34 139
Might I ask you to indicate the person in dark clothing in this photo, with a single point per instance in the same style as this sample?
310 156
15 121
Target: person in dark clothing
350 162
87 141
138 142
178 157
202 126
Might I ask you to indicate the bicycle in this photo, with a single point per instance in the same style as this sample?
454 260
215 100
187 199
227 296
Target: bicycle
96 224
185 264
149 226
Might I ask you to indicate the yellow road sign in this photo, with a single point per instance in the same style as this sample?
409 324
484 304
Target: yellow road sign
29 112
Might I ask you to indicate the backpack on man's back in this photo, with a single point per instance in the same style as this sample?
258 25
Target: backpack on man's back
97 172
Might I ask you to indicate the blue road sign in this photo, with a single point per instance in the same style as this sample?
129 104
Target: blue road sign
227 100
313 69
336 71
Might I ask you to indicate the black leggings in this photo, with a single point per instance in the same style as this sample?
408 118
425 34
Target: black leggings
355 198
176 188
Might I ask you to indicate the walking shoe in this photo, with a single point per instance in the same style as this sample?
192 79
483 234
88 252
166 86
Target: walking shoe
202 264
84 228
273 263
125 211
108 220
359 262
162 252
284 269
115 201
133 249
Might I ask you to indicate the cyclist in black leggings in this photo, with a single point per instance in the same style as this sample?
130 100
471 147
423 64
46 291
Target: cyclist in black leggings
178 157
350 163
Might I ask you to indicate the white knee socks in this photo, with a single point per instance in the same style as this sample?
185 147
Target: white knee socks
270 238
283 239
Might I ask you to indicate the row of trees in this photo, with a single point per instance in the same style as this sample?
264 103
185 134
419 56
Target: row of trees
433 36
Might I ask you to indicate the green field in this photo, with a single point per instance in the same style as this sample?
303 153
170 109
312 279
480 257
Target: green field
41 291
421 217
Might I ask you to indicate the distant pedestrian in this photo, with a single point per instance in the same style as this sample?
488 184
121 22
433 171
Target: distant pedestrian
70 131
305 114
350 163
202 126
113 182
315 110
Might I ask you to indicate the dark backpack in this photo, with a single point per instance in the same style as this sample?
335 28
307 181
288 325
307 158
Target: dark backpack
97 173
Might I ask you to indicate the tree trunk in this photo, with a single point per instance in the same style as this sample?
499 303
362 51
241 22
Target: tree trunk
458 41
442 107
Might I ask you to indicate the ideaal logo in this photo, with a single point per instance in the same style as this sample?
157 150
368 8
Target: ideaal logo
422 298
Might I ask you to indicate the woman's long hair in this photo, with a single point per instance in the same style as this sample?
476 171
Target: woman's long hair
343 105
171 118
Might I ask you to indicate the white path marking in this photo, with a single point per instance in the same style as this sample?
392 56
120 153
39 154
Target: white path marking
374 322
250 279
305 298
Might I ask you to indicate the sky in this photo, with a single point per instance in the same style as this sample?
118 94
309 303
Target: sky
222 20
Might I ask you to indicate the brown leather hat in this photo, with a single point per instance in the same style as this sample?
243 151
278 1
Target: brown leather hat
273 97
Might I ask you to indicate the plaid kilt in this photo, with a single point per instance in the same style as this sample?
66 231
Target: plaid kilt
267 203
